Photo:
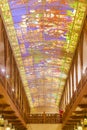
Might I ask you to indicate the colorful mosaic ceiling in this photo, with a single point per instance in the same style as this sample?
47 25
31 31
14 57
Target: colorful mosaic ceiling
43 35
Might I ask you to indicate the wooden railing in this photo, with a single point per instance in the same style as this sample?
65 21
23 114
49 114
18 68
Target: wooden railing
80 86
45 118
11 94
18 95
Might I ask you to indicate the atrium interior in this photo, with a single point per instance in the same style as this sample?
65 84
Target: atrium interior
43 64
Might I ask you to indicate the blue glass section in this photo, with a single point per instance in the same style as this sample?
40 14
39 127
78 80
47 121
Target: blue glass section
16 4
25 55
55 5
50 38
20 11
16 26
17 19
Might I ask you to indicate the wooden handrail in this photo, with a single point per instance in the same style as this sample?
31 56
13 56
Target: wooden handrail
80 87
7 87
45 118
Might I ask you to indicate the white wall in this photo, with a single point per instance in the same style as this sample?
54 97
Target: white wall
44 127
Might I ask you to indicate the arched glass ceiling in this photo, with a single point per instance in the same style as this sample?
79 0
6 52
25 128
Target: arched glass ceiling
43 35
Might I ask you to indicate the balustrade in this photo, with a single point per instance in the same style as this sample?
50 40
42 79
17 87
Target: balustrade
77 77
10 76
45 118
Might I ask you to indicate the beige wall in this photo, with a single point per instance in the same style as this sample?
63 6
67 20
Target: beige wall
44 127
1 128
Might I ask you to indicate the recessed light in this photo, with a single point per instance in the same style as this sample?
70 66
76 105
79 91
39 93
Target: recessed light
3 70
32 11
7 76
74 11
12 89
39 0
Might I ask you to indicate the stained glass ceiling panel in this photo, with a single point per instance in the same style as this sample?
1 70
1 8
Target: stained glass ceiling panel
43 35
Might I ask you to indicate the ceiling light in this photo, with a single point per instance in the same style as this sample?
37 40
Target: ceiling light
1 120
85 121
79 127
35 22
68 41
7 76
52 15
37 26
8 128
47 52
78 108
32 11
39 0
3 70
24 16
37 16
12 89
47 9
74 11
